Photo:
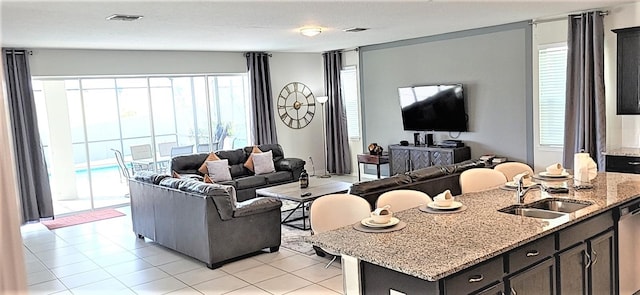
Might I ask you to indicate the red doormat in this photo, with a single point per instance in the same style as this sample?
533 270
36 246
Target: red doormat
82 218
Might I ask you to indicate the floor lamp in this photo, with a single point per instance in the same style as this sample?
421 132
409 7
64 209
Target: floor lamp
322 100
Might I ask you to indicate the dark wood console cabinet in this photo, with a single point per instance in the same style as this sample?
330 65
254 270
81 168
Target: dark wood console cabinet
623 164
628 73
408 158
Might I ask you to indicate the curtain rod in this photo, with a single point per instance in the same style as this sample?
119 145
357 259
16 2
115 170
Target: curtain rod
535 22
247 54
19 51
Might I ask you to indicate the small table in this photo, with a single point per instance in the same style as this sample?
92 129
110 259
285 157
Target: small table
372 159
318 187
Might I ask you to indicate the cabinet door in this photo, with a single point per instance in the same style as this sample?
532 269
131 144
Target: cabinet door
420 159
441 158
398 160
497 289
536 280
572 277
603 266
628 71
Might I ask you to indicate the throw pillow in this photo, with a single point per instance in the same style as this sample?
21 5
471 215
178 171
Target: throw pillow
175 174
207 179
219 170
249 162
211 157
263 163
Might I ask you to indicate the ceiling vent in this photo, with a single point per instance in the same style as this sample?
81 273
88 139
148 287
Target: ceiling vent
124 17
354 30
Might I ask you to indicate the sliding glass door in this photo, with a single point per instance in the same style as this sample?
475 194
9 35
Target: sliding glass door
93 118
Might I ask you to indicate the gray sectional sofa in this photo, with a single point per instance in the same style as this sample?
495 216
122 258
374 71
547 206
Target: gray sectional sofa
431 180
244 180
202 220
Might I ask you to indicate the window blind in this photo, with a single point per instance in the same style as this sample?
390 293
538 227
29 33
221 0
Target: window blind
552 64
349 84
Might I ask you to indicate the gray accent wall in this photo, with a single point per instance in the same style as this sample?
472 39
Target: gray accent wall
493 63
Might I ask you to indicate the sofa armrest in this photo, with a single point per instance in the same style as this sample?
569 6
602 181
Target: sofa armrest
289 164
256 205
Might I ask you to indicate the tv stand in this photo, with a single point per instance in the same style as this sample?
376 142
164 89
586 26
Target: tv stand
408 158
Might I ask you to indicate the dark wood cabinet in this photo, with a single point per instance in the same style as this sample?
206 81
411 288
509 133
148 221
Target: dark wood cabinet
497 289
587 265
536 280
408 158
628 71
624 164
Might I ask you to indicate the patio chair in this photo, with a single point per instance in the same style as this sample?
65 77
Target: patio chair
181 150
202 148
124 171
142 157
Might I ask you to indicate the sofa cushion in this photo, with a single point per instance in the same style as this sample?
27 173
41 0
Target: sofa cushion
250 181
255 206
219 170
249 163
278 176
224 196
275 148
235 157
464 165
188 164
427 173
203 168
367 186
171 182
263 163
145 176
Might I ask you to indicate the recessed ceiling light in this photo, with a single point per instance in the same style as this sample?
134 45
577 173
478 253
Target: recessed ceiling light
311 31
124 17
354 30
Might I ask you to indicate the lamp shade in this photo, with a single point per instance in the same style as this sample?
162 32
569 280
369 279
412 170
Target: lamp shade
322 99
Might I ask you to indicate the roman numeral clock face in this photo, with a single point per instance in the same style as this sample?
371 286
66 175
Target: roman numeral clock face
296 105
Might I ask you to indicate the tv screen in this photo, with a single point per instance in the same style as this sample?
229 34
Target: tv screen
433 108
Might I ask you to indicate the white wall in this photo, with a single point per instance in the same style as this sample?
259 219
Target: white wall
306 142
490 62
544 34
352 58
285 68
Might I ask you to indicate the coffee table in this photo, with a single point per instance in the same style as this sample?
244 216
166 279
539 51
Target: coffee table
318 187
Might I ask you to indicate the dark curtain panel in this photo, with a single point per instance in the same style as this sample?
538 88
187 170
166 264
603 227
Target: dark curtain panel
585 101
264 124
31 169
338 155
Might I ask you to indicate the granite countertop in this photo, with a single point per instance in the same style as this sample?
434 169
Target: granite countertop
633 152
433 246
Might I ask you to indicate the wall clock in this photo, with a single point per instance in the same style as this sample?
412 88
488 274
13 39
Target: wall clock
296 105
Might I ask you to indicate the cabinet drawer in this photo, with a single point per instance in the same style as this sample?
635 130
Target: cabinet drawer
623 164
588 228
475 278
531 253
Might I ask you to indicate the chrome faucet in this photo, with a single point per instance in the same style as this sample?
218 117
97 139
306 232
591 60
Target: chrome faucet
521 191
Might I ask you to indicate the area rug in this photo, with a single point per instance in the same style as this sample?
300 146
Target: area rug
82 218
292 239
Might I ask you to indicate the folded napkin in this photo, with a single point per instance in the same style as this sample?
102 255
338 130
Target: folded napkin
446 195
526 178
585 168
555 169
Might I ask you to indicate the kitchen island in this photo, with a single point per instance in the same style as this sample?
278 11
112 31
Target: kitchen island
432 252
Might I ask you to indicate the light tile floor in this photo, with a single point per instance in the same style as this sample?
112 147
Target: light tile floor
106 257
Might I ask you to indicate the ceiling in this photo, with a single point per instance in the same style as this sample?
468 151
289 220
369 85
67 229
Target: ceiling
257 25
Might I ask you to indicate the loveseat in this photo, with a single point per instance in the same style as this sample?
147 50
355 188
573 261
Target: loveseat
202 220
431 180
244 180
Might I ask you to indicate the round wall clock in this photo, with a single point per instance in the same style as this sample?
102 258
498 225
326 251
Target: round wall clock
296 105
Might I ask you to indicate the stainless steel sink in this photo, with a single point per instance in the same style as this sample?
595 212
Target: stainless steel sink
549 208
532 212
559 205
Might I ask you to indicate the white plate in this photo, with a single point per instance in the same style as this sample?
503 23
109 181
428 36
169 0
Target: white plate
454 205
368 222
513 184
546 174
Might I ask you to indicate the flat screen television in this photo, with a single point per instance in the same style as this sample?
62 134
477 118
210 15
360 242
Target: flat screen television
433 108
